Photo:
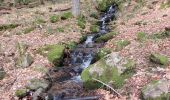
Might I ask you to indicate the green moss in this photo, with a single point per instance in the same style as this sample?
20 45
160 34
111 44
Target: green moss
81 24
161 35
55 55
21 93
101 71
66 15
8 26
94 28
102 53
94 15
39 21
121 44
72 45
53 52
159 59
106 37
130 69
29 29
81 21
141 36
54 18
82 39
60 29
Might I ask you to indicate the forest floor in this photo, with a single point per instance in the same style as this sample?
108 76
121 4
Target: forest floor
149 19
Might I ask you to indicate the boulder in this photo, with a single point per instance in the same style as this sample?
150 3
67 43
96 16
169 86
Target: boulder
110 69
55 55
24 61
35 84
156 90
159 59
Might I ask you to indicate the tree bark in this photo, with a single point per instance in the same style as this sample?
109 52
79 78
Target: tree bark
76 7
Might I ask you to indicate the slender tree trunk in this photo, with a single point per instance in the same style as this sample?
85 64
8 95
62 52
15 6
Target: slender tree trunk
76 7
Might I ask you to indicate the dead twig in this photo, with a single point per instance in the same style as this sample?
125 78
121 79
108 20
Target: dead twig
108 86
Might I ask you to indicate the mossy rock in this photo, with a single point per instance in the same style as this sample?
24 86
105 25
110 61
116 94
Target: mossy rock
106 37
54 18
56 55
8 26
102 53
121 44
66 15
103 72
71 45
159 59
35 84
156 90
24 61
94 28
21 93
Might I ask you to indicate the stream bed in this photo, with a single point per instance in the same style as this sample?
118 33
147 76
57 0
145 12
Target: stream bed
66 82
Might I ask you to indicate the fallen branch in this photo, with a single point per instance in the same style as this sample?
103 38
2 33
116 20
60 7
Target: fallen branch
108 86
63 9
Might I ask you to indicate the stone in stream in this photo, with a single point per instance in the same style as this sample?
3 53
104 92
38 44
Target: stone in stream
110 69
157 90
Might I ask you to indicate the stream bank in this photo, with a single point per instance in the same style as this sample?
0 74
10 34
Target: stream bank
67 82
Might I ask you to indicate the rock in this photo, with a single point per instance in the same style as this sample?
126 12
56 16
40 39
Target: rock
2 73
159 59
122 64
55 55
24 61
106 37
111 68
156 90
37 94
21 93
35 84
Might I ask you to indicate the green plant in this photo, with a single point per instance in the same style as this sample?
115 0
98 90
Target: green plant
39 21
121 44
141 36
71 45
81 25
54 18
94 15
94 28
159 59
66 15
106 37
28 30
8 26
60 29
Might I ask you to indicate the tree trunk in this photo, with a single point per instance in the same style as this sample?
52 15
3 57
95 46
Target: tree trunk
76 7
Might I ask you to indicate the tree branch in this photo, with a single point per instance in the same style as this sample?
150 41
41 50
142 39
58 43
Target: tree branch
108 86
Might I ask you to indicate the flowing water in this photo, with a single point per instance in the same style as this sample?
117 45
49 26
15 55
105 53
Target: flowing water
83 55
